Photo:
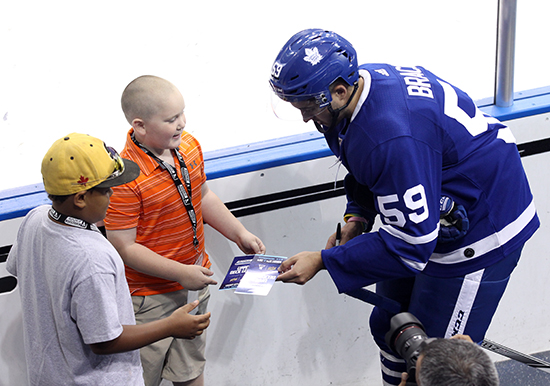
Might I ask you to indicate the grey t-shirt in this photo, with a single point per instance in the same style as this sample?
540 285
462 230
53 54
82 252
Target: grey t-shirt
73 293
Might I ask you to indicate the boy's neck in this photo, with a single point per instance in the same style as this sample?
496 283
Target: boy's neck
163 154
66 208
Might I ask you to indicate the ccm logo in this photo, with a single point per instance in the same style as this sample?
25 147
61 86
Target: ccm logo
458 322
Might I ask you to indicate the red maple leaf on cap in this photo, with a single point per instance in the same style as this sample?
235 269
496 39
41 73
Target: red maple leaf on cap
83 180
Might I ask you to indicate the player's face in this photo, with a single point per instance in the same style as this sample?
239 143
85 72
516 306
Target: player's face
310 110
163 129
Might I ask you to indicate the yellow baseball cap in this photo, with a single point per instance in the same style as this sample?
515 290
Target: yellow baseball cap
80 162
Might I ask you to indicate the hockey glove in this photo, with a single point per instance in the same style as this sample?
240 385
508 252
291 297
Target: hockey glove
453 221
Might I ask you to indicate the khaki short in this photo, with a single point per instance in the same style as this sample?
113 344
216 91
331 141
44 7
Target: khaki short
176 360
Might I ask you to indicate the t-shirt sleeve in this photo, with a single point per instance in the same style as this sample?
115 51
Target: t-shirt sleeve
94 309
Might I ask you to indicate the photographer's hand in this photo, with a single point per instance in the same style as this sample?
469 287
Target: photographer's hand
404 377
462 337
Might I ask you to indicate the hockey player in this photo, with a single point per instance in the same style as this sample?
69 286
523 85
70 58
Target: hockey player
407 139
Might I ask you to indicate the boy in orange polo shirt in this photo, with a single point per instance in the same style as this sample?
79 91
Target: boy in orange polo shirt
156 224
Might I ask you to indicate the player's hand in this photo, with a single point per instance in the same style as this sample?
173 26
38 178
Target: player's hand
349 231
454 222
250 244
195 277
300 268
187 326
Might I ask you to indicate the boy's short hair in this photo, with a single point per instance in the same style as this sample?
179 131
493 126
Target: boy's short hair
80 162
142 96
62 199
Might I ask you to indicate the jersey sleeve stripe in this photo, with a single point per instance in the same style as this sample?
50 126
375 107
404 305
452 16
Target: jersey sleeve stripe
414 240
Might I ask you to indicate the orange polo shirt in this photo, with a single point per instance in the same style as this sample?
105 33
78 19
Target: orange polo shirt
152 205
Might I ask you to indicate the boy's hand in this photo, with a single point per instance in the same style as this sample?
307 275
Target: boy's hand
250 244
195 277
188 326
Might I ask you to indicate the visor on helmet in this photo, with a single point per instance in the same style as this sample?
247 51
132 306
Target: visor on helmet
304 108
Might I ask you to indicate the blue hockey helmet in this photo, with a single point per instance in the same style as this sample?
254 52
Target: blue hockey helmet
309 63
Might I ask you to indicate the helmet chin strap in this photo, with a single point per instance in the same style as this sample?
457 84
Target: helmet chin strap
335 113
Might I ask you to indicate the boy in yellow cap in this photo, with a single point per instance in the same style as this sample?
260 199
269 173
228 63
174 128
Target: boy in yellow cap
79 325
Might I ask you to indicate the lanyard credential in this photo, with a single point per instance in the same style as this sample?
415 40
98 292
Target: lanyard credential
185 194
71 221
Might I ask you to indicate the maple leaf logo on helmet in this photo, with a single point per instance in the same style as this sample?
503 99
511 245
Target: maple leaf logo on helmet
313 56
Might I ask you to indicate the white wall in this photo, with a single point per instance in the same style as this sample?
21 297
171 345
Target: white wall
520 320
294 336
64 64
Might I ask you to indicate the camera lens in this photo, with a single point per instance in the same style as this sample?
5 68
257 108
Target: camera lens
405 338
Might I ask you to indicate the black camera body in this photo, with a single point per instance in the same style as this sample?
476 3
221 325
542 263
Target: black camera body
407 337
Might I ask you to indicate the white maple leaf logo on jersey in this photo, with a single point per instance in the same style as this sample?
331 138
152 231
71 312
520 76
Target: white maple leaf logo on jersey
313 56
383 72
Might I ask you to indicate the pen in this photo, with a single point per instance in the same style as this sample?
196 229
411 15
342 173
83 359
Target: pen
338 234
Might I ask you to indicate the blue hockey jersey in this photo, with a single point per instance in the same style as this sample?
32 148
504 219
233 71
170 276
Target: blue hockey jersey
412 138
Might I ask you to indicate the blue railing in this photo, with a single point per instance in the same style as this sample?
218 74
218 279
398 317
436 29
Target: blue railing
18 201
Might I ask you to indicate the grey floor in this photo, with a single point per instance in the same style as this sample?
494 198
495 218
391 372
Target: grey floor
512 373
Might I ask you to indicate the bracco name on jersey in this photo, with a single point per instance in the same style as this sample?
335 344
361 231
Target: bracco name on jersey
417 84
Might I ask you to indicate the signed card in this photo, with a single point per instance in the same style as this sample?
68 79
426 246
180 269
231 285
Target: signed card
236 272
260 275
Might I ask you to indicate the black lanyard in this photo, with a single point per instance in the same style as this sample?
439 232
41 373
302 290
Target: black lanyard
186 196
71 221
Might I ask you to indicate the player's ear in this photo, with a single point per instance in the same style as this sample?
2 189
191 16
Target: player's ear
341 92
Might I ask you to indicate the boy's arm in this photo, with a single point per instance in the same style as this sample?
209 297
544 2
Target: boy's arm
142 259
216 214
178 325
